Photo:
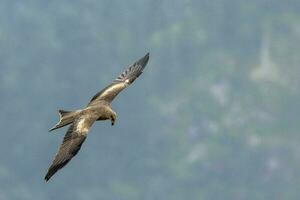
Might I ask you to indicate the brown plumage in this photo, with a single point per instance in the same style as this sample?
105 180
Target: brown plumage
98 109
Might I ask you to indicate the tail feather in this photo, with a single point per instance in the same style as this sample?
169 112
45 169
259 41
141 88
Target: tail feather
65 118
63 112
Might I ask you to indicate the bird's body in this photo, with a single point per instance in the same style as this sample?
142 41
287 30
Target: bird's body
99 108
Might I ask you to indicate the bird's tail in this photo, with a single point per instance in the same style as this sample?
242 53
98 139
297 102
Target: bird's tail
65 118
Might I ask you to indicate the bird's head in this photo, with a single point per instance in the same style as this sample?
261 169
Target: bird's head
113 118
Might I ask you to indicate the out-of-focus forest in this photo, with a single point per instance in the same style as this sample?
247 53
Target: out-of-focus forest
214 116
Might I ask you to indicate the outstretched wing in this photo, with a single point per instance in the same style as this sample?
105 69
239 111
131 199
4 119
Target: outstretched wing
122 81
71 144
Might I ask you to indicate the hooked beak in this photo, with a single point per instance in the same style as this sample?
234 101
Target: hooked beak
112 121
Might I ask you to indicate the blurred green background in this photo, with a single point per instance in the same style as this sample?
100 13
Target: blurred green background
213 117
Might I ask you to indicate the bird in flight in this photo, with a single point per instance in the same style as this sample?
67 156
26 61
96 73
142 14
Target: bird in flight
81 120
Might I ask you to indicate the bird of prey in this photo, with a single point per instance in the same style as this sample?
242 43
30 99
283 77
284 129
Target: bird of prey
81 120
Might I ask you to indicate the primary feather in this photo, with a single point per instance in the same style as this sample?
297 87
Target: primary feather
122 81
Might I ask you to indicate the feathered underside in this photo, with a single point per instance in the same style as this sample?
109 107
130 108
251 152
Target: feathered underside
122 81
72 142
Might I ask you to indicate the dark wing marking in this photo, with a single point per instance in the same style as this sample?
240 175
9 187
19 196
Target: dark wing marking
71 144
122 81
133 71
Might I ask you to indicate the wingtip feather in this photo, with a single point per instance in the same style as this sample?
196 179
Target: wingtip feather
144 60
47 177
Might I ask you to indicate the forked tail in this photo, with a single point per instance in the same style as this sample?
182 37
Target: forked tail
65 118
